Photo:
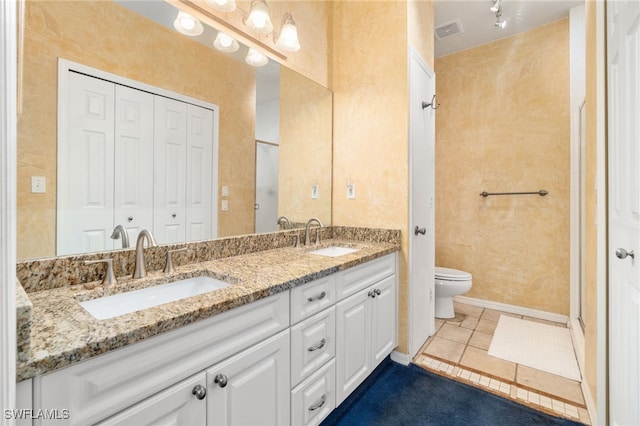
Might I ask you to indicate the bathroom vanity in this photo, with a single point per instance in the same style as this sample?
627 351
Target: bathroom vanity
285 343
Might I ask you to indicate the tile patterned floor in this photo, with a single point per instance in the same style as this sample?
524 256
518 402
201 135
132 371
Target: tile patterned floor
458 349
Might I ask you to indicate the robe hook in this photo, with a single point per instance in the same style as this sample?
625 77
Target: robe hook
433 104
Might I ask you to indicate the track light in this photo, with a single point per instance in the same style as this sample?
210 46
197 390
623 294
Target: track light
496 6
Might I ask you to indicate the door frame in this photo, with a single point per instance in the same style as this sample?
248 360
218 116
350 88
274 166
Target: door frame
414 347
8 167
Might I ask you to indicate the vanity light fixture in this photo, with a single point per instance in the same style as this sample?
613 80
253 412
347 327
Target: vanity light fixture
255 58
187 25
222 5
288 38
225 43
259 20
495 8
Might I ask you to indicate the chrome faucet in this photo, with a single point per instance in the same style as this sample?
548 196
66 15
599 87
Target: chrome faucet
120 232
306 230
140 271
287 222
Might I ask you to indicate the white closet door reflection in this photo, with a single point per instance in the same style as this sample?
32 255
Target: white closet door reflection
85 166
267 160
199 173
169 170
133 198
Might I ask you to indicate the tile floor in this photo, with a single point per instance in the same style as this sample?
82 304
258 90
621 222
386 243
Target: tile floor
459 347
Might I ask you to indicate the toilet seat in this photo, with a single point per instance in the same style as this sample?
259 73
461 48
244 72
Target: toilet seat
449 274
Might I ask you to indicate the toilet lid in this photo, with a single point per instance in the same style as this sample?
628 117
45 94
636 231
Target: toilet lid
451 274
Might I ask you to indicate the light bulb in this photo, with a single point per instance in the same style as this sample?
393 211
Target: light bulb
255 58
187 25
259 20
225 43
222 5
288 39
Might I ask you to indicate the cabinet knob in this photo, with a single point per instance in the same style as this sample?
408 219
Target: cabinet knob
199 391
221 380
372 294
130 218
377 291
173 215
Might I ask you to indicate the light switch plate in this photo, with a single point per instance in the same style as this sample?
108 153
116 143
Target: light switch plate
225 205
351 191
225 191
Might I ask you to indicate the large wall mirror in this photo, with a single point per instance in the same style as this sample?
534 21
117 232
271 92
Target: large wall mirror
274 130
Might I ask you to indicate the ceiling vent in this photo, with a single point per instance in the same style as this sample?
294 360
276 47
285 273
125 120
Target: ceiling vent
448 30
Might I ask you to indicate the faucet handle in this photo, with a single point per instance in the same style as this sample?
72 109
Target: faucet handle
109 277
169 266
297 243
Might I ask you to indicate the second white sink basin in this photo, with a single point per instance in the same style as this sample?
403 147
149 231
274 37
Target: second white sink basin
333 251
137 300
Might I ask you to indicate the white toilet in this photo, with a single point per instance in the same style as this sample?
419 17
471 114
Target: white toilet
449 283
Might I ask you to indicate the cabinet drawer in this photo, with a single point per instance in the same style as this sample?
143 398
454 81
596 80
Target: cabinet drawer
352 280
313 343
314 398
312 297
174 406
104 385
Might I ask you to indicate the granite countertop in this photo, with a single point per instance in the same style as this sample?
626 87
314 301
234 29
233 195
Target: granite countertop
63 333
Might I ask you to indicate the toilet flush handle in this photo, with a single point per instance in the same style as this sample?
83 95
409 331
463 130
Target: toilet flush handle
419 230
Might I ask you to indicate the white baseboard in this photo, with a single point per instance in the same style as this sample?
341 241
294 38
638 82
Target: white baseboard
577 337
400 358
513 309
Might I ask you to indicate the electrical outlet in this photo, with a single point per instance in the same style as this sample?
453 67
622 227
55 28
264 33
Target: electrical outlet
225 205
225 191
38 184
351 190
314 191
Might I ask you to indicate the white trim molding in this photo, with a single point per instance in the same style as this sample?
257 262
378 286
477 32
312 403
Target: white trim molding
513 309
400 358
8 135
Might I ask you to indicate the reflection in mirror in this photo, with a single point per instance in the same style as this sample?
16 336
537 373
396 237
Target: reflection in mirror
110 37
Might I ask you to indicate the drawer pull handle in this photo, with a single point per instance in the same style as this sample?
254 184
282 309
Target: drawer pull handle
318 297
318 404
221 380
372 294
318 346
199 391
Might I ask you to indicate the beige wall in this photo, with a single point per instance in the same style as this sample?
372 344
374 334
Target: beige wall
305 148
370 84
503 125
106 36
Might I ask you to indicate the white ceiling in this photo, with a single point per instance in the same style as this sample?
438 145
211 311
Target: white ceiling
477 20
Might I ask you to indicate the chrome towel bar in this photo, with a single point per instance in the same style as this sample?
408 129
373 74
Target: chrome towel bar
541 193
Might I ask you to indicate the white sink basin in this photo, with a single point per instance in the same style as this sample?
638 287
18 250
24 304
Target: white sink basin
333 251
137 300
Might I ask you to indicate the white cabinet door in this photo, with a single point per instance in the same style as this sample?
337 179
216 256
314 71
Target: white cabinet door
383 319
365 334
252 387
199 178
133 197
169 153
353 343
85 165
175 406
